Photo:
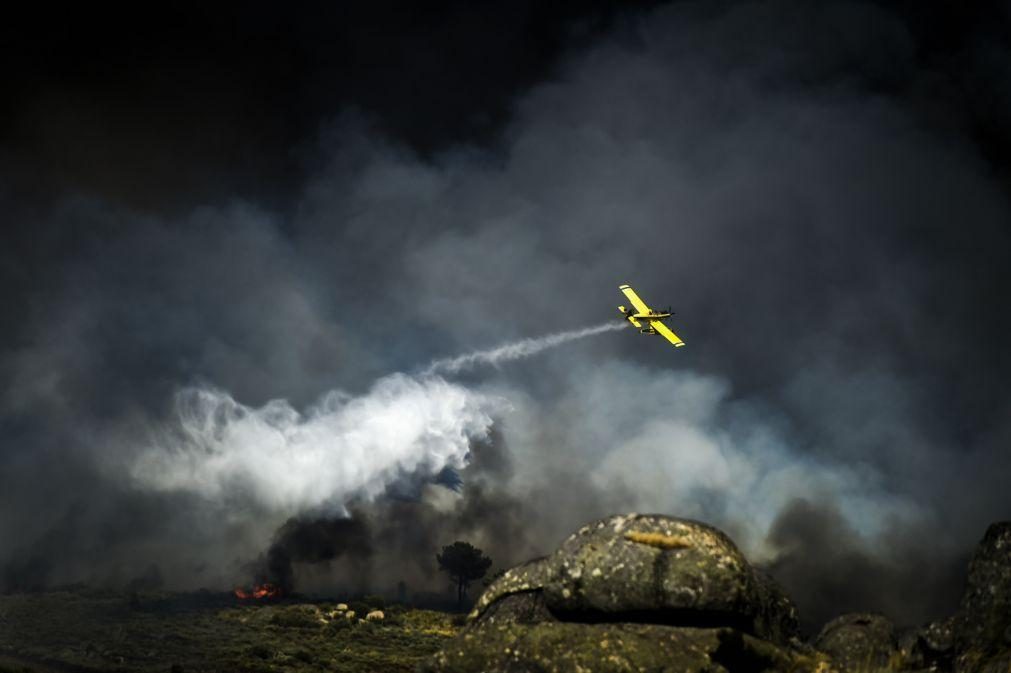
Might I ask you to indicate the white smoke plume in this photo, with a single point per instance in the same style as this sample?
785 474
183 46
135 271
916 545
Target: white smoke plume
517 349
342 447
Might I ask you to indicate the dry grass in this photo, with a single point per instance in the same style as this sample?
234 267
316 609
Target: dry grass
165 632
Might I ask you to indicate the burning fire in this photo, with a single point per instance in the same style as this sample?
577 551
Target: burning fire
265 590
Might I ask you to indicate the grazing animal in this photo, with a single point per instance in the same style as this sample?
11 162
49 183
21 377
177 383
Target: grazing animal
375 616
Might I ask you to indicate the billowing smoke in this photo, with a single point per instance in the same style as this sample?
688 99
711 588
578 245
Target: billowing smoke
830 568
404 432
314 540
392 541
341 447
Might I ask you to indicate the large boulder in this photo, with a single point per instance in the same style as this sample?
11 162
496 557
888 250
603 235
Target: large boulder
662 569
633 592
982 625
657 569
860 642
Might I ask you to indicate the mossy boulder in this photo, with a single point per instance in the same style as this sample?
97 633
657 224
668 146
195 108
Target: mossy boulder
656 569
669 570
629 593
860 642
929 647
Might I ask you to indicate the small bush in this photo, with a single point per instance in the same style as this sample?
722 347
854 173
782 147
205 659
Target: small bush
374 602
360 608
338 625
296 617
260 651
459 620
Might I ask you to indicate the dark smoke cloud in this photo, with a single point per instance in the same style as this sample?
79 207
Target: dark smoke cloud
393 540
311 541
821 190
829 568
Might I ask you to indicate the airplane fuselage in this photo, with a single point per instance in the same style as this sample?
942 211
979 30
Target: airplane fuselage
652 315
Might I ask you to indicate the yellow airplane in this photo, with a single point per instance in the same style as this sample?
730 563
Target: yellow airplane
643 312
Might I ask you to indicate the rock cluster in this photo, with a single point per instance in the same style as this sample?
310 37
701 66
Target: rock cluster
657 593
635 592
976 639
860 642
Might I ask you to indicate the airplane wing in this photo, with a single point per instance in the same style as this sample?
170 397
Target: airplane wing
664 330
639 304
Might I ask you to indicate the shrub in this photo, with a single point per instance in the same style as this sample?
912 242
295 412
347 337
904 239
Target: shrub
374 602
360 608
339 624
260 651
297 617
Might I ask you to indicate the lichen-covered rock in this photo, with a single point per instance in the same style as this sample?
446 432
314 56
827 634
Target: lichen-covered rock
524 577
982 625
523 607
568 647
930 647
631 593
666 570
859 642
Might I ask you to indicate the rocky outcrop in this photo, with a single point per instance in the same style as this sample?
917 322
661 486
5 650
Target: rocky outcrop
657 593
634 592
656 569
931 647
982 625
860 642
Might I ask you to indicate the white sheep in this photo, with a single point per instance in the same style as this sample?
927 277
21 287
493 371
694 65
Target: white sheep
375 616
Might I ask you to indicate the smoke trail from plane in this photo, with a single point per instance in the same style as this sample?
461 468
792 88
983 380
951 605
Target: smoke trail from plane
516 350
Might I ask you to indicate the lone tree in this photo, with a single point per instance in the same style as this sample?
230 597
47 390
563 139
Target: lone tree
464 563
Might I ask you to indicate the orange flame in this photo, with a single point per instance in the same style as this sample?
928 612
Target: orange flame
265 590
